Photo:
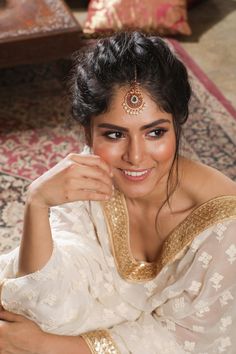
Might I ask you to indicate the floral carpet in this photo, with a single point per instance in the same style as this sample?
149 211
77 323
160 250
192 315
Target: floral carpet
36 131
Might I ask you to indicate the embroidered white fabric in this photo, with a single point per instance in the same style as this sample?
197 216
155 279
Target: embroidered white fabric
188 308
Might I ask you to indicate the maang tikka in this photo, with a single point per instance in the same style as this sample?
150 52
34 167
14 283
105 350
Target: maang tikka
133 100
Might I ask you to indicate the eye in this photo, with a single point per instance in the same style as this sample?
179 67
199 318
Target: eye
157 133
113 135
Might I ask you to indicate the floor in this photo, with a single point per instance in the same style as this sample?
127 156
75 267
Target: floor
212 44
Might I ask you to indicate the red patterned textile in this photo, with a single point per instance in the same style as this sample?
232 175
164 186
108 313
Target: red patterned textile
35 132
160 16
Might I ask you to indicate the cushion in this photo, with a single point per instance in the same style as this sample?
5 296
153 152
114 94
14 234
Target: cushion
159 16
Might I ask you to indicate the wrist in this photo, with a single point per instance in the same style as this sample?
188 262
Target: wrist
34 201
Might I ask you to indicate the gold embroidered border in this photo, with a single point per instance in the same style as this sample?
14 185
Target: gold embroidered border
117 218
100 342
204 216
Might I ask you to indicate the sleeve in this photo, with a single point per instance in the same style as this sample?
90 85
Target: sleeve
201 308
145 335
57 296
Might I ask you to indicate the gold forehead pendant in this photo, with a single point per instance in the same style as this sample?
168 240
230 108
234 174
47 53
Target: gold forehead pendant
133 100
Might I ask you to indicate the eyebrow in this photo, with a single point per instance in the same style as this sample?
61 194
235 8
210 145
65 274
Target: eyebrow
144 127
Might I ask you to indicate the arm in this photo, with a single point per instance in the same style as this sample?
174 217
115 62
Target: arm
19 335
36 243
74 178
51 273
65 281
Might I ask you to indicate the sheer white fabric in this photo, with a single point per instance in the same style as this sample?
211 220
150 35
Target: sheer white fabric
188 308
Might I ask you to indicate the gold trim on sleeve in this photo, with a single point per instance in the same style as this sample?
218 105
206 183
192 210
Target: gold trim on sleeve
100 342
206 215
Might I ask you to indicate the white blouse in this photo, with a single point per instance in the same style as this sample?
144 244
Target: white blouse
92 285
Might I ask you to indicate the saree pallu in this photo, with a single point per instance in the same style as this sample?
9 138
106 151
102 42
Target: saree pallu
93 286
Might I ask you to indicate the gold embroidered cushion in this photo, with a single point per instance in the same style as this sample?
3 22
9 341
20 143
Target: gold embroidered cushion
160 16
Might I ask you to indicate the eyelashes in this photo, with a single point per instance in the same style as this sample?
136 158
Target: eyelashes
116 135
113 135
157 133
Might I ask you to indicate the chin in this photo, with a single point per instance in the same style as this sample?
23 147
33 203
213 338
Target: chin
136 194
138 188
135 191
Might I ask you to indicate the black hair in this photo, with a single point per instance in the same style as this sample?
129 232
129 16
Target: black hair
111 62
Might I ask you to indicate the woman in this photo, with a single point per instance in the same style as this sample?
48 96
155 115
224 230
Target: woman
139 253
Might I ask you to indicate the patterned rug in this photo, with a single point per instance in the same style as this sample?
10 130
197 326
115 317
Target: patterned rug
36 132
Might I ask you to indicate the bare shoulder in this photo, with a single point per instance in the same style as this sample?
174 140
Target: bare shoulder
203 182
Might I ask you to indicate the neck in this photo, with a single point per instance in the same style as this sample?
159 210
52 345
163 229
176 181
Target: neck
153 200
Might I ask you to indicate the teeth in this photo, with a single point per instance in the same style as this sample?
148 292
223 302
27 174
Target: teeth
134 174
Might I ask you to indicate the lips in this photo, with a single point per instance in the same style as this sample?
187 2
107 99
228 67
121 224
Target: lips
136 175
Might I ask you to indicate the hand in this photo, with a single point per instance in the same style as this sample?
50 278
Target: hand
19 335
77 177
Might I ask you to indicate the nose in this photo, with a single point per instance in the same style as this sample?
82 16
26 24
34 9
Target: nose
134 152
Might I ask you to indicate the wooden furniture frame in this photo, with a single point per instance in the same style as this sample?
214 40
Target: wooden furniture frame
36 31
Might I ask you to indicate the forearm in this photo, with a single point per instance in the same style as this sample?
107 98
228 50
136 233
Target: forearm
54 344
36 244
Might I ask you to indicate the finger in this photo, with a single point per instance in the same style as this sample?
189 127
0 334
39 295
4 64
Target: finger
90 184
10 316
87 195
93 172
90 160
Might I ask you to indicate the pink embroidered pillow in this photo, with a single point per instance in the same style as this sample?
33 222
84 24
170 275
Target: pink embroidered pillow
159 16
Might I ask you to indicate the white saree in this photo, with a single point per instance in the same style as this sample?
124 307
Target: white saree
92 285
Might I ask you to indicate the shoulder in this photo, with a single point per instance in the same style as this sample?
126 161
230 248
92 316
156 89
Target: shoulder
202 182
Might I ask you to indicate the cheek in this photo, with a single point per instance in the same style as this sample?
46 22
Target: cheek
165 150
107 152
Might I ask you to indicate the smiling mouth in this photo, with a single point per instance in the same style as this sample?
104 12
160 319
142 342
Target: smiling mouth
136 175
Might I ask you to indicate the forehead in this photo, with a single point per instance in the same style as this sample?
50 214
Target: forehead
117 115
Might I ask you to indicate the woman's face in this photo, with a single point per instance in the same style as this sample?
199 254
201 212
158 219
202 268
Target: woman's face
139 148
